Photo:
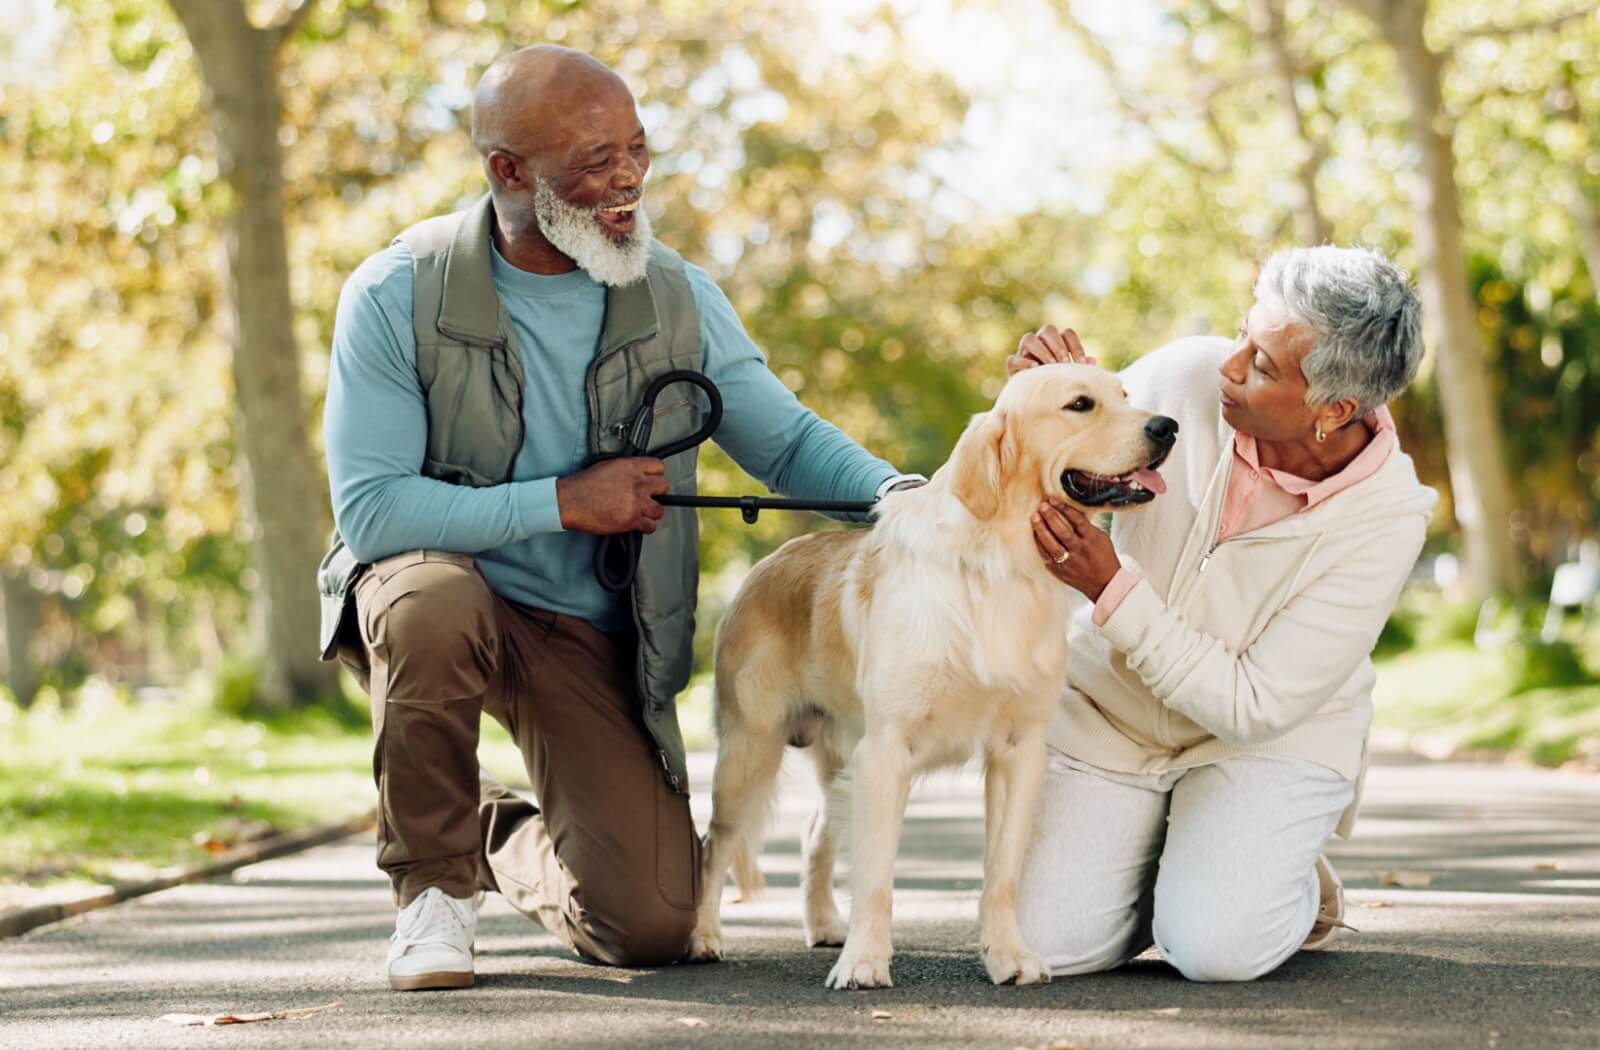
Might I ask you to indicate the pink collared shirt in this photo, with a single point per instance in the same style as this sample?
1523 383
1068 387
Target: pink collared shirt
1258 496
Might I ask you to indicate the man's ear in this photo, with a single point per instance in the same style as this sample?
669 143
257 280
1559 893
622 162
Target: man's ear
984 458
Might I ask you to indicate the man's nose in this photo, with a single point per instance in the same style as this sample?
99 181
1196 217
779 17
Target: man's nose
1163 430
630 173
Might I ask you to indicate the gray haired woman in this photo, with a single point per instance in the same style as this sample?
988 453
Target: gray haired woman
1212 733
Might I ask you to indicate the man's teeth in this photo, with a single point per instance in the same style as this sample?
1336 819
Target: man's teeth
622 208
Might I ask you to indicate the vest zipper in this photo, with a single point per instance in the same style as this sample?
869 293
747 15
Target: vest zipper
620 430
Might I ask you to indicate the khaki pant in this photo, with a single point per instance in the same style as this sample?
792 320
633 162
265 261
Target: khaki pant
608 860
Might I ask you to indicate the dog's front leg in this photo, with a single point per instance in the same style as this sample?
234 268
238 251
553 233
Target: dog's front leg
1015 772
880 782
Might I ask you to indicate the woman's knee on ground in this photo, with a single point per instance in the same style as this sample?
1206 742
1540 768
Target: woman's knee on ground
1072 944
437 631
1208 944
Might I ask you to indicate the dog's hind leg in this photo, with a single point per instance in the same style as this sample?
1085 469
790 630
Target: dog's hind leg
1012 779
824 924
748 758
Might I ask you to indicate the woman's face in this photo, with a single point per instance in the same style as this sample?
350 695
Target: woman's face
1263 389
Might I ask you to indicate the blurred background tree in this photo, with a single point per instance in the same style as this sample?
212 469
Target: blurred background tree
890 193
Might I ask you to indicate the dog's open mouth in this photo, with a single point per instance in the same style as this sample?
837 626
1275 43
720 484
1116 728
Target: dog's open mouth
1098 490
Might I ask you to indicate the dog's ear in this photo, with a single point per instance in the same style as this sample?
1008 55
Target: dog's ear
985 457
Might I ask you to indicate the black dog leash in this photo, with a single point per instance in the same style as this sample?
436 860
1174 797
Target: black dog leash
616 557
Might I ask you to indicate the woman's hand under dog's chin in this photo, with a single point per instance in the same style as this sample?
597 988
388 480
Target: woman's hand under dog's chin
1075 551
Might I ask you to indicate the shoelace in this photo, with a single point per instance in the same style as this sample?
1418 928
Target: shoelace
439 923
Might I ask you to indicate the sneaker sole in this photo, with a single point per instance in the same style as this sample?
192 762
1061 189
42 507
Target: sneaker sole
422 982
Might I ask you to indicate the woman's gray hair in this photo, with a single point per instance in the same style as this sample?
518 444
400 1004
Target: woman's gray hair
1363 314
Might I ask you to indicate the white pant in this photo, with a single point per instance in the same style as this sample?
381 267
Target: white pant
1214 865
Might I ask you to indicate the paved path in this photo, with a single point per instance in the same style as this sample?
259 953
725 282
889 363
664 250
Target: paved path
1490 939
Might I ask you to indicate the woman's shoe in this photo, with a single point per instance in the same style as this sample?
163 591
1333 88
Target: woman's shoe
1330 908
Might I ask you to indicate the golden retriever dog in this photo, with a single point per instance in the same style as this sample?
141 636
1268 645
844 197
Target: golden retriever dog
935 634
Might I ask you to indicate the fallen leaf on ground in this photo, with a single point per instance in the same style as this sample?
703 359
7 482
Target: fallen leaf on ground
882 1015
274 1015
692 1022
1547 865
1405 879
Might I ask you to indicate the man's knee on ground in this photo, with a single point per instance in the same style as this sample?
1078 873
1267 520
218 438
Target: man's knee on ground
642 933
439 632
1218 947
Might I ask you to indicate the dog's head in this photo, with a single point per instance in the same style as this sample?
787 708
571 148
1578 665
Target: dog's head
1064 430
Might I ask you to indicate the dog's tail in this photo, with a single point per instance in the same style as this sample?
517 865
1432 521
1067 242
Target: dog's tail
746 872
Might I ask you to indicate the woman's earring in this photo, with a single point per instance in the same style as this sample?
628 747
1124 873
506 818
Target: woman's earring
1321 437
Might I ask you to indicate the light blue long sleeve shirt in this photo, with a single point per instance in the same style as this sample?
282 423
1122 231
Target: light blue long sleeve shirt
376 427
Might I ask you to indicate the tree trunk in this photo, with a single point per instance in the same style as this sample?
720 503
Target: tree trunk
1587 221
19 608
1310 224
1585 218
1479 481
285 497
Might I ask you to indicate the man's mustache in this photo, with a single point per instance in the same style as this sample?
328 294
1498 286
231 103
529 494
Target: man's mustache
626 198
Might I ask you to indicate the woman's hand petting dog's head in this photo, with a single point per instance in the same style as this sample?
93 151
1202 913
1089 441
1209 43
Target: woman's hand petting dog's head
1048 346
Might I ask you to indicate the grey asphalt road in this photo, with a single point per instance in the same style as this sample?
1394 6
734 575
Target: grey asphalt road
1476 890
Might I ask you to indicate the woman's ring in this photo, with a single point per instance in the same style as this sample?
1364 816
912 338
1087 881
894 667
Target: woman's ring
1062 557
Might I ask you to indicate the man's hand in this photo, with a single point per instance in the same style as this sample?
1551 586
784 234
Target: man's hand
1048 346
617 495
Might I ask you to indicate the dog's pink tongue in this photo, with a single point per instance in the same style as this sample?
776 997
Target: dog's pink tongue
1150 479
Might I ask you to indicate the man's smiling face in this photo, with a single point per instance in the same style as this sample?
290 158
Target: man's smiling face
567 158
597 158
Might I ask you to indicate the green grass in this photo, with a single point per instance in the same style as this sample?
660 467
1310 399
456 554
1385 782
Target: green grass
110 790
1452 698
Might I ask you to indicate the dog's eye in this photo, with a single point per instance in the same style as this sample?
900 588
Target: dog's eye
1083 404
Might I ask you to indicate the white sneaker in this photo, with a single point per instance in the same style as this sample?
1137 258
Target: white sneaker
432 943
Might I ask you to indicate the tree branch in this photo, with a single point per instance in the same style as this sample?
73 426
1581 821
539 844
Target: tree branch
1133 107
291 22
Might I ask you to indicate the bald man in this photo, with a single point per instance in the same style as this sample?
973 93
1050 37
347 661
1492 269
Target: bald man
482 365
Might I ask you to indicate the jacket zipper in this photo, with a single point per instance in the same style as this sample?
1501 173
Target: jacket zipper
1214 525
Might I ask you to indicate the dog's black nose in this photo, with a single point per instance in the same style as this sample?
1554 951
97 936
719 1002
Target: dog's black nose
1162 429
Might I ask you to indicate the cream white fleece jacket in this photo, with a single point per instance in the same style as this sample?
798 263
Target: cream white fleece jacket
1261 644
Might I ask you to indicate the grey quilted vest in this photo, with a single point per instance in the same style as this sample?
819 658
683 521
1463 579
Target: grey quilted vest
467 362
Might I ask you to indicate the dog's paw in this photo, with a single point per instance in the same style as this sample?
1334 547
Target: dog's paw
827 932
1016 966
859 971
705 947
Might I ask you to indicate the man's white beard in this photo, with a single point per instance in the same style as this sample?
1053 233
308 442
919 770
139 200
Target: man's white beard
577 233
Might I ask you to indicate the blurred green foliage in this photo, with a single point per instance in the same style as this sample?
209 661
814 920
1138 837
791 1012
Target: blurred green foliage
804 157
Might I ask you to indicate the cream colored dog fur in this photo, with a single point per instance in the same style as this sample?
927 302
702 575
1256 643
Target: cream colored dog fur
936 634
